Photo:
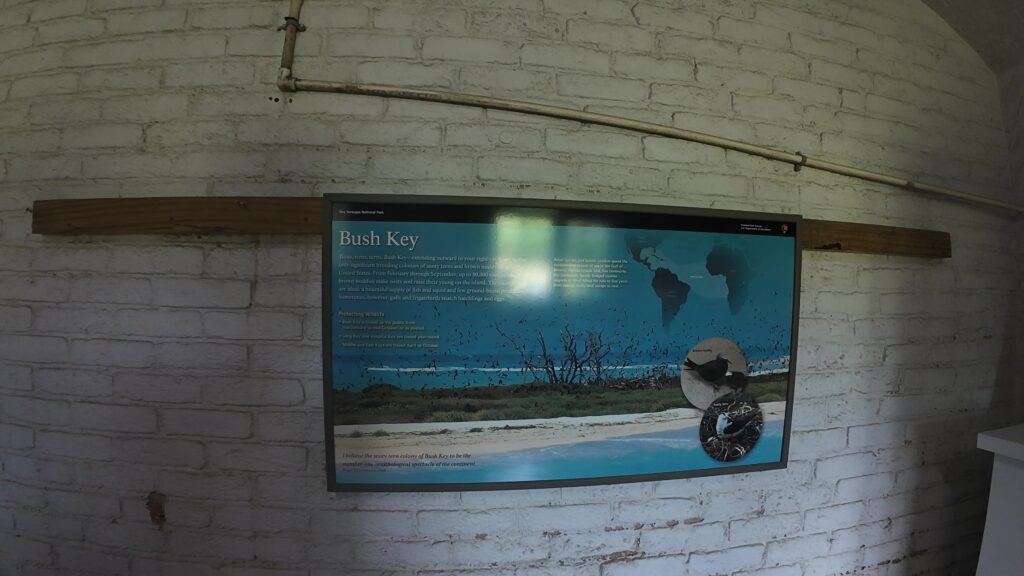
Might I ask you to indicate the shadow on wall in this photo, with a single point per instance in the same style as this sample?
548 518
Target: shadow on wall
956 373
1011 84
1011 362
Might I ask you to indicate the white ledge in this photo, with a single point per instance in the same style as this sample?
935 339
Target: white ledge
1007 442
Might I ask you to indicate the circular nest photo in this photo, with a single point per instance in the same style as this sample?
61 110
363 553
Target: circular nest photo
731 426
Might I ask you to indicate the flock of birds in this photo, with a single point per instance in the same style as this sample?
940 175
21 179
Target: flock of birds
731 424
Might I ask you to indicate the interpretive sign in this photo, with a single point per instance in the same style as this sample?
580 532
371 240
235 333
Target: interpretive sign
475 344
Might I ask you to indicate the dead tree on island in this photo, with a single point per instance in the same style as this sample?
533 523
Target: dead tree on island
583 358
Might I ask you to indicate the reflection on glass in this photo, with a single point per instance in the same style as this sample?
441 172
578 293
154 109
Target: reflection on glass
522 255
582 241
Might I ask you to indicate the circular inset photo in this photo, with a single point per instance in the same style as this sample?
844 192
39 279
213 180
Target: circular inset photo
712 368
731 427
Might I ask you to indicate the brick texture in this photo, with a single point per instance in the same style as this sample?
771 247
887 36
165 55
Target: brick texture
191 366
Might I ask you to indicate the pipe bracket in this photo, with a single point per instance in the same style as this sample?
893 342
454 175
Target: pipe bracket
797 166
290 21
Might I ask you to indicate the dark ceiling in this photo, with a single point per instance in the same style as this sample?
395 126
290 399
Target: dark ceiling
994 28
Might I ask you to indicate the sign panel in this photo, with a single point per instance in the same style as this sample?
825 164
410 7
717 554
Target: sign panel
475 344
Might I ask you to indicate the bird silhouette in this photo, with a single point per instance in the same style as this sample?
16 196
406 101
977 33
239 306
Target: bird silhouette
730 424
711 371
736 380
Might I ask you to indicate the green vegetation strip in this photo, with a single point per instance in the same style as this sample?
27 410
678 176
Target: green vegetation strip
385 404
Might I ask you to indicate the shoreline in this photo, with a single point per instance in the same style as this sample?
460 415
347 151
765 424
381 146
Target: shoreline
500 436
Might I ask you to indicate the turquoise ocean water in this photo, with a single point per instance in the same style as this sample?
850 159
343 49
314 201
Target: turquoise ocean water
661 452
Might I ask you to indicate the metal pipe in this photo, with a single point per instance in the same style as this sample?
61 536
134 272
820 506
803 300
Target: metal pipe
540 110
292 26
288 83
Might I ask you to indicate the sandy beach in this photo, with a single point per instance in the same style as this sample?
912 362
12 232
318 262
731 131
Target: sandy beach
497 436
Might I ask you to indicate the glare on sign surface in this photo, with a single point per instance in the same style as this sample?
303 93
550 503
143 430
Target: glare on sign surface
522 255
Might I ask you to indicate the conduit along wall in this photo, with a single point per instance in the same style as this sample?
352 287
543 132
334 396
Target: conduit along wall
288 82
113 216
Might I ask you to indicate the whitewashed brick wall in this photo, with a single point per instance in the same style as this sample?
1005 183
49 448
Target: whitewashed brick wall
1012 84
190 366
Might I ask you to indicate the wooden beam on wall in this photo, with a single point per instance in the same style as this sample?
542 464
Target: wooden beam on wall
186 215
833 236
259 215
